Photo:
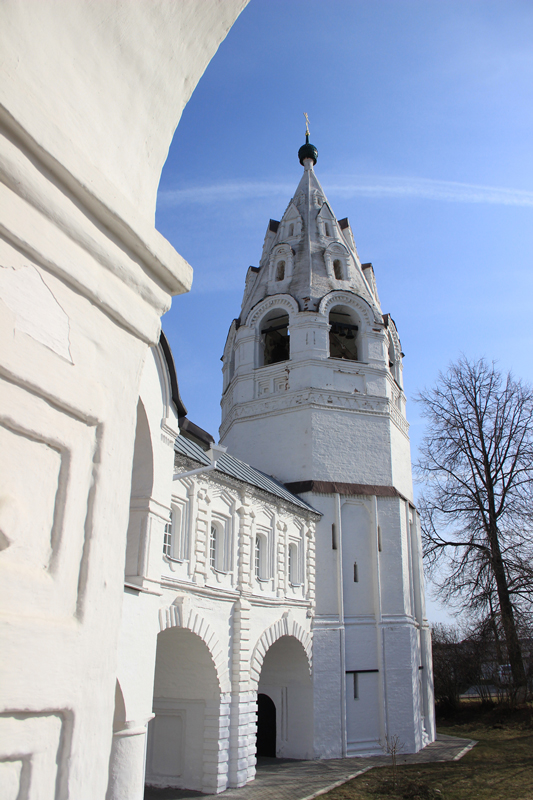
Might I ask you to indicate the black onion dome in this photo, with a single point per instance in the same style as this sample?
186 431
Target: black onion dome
307 150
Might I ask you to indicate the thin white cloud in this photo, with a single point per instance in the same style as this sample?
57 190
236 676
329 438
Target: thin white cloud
354 186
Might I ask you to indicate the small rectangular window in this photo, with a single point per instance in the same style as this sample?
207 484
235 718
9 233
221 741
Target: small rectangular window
213 547
167 539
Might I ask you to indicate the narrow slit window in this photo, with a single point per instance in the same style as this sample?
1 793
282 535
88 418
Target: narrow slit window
355 573
337 269
333 537
355 686
291 229
327 229
280 270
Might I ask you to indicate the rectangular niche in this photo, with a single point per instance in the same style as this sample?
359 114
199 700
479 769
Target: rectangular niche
32 756
44 495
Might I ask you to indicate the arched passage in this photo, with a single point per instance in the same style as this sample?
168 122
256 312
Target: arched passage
187 713
285 679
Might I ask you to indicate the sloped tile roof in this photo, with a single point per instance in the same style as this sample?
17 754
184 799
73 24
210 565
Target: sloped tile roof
229 465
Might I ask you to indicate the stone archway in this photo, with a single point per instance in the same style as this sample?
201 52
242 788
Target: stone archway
281 668
188 708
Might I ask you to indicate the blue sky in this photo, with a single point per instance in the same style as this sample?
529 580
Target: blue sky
422 113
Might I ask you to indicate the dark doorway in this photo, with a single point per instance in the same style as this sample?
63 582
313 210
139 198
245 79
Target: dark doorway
266 726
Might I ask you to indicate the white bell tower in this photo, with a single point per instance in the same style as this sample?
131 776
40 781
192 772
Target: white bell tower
313 395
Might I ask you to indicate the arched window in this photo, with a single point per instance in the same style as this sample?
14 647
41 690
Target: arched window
294 572
276 338
261 558
343 334
337 269
280 270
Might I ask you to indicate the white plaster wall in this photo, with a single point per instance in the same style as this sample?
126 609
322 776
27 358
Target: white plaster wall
358 547
328 707
402 475
396 577
85 278
78 74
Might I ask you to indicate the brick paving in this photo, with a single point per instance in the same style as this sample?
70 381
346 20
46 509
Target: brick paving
287 779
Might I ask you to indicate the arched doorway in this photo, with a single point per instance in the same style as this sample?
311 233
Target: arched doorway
266 726
186 706
285 681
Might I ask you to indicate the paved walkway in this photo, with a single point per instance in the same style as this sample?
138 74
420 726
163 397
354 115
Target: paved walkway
286 779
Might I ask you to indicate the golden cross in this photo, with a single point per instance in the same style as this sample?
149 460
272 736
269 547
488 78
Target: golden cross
306 124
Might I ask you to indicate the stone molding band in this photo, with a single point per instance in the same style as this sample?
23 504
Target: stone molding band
347 489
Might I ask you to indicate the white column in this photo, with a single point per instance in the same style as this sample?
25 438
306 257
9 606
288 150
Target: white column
126 763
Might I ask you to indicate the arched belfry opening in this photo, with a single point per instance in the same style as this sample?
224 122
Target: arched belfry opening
343 334
275 337
285 702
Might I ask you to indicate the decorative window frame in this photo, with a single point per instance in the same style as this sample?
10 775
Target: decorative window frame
362 310
296 561
222 525
285 304
292 217
264 532
261 556
338 252
281 252
179 531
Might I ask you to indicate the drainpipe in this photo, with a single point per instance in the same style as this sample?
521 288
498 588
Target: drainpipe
340 601
214 453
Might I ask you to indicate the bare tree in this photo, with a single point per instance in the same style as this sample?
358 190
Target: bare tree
477 464
456 665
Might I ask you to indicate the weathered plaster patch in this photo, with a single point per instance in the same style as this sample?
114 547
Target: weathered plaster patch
37 312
